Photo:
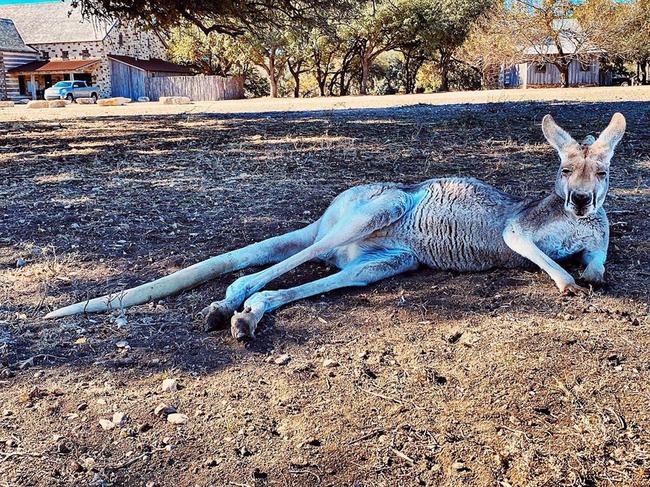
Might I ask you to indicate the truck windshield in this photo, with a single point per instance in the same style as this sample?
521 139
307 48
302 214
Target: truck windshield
63 84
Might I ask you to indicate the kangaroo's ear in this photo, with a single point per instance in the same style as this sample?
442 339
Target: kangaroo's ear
613 134
556 135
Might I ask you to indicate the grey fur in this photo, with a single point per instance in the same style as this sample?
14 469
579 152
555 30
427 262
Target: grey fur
378 230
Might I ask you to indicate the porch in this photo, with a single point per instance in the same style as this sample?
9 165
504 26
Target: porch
35 77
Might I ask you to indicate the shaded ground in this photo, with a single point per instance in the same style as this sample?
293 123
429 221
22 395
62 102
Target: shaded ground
442 379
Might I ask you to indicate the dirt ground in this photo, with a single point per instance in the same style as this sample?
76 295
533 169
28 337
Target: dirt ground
442 379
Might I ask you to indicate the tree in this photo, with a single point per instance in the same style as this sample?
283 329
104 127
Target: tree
443 26
552 34
374 30
490 46
623 30
221 16
214 53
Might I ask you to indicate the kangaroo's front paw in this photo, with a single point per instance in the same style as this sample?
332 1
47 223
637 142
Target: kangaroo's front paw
594 275
572 289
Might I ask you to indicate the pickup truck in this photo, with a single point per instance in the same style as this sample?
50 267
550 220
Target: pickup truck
71 90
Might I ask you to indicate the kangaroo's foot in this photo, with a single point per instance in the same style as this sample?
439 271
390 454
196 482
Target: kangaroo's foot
243 325
572 289
217 315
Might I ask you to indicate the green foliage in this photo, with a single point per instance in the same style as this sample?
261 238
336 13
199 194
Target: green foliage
388 46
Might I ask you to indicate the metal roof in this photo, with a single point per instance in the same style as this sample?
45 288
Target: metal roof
10 39
151 64
56 66
54 22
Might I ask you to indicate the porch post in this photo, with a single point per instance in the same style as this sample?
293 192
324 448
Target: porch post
71 76
32 79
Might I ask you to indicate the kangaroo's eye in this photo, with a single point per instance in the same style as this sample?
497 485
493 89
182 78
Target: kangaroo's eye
601 174
566 171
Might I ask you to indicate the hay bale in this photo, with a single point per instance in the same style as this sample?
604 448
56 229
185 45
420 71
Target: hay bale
37 104
143 99
113 102
6 104
56 104
85 101
175 100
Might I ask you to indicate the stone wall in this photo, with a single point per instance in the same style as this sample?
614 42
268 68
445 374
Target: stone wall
3 78
122 39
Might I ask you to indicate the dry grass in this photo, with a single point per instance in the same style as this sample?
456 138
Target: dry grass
443 379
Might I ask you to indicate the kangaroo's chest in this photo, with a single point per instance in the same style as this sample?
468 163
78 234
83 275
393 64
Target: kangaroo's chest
560 240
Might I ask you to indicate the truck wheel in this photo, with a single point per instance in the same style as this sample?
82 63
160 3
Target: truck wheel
94 97
70 97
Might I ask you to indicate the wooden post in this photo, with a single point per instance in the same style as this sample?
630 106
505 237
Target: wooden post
32 80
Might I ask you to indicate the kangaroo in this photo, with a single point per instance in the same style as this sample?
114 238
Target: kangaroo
376 231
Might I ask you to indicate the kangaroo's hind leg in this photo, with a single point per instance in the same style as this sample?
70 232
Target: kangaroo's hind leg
342 224
270 251
370 267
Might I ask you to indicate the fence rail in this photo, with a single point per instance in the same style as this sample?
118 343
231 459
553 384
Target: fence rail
198 88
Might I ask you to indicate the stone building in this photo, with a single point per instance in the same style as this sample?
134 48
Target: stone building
68 46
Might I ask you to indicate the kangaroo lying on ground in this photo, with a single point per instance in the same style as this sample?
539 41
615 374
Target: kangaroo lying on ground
375 231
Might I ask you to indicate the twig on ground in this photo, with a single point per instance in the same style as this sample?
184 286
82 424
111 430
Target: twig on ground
376 394
402 455
6 456
307 472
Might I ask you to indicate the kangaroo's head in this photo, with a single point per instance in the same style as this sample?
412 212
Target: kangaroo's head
583 177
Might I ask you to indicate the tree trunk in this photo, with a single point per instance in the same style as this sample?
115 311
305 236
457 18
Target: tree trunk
365 75
296 84
445 60
564 75
295 71
273 79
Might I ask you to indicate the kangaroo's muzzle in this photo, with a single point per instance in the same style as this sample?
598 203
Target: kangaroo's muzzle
581 203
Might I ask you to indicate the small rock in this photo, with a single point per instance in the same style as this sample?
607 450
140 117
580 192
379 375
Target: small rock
106 424
123 344
145 427
121 321
82 406
328 363
283 359
460 467
164 410
101 401
143 99
177 418
74 466
119 419
20 262
363 354
169 385
7 412
62 448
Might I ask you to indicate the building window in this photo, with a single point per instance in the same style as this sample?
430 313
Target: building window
85 54
65 54
120 40
540 68
45 54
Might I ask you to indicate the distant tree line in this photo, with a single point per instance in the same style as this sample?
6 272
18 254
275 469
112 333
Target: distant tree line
313 47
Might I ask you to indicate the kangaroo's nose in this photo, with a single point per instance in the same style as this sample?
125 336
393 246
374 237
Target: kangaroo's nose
580 199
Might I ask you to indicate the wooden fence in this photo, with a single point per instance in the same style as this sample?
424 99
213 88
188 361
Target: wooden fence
198 88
